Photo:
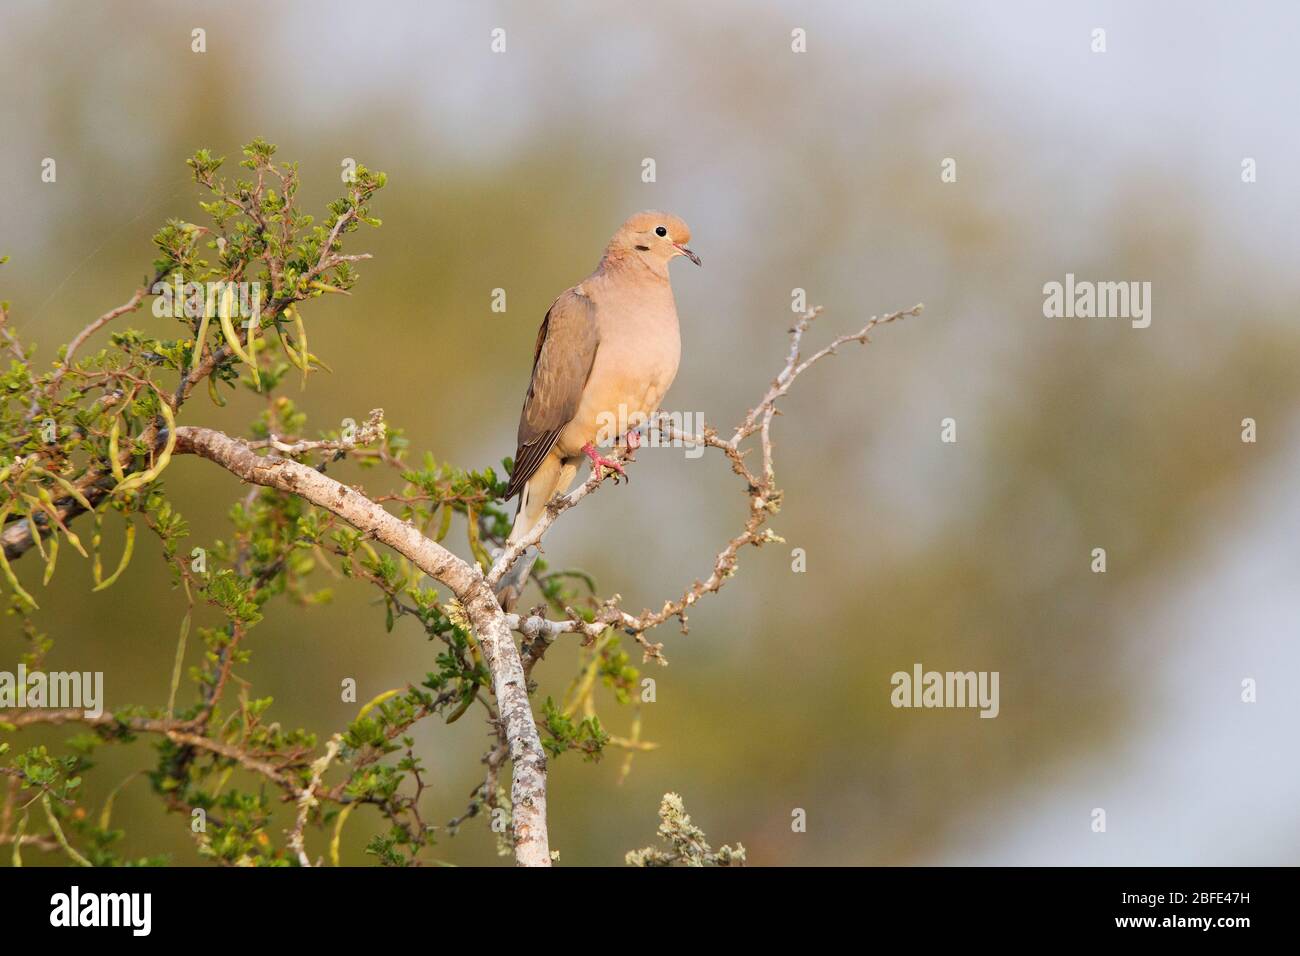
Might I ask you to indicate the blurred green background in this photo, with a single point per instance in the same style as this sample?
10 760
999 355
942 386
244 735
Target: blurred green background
819 171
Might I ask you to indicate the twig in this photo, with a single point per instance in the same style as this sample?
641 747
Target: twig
307 799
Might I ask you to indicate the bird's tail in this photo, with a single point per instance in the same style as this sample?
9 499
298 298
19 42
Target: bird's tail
512 584
553 477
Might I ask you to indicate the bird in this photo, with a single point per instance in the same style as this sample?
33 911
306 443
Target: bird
607 351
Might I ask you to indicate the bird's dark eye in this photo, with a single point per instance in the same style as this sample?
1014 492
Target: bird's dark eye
660 231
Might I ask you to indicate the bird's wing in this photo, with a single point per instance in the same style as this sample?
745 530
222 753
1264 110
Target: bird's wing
562 361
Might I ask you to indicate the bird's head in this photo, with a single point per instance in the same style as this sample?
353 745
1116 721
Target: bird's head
655 237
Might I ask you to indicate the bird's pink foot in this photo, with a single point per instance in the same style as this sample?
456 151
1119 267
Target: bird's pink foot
600 461
633 440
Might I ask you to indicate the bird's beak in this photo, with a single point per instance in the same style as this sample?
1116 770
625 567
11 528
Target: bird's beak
687 253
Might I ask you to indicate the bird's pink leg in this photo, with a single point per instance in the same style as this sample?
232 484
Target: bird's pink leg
599 461
633 440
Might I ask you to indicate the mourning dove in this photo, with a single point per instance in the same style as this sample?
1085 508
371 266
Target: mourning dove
606 354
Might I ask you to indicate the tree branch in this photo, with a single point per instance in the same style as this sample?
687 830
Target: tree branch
528 788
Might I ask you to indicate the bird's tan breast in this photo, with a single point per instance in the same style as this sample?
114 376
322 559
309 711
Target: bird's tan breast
636 362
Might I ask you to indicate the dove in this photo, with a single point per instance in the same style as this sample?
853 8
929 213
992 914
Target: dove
607 351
